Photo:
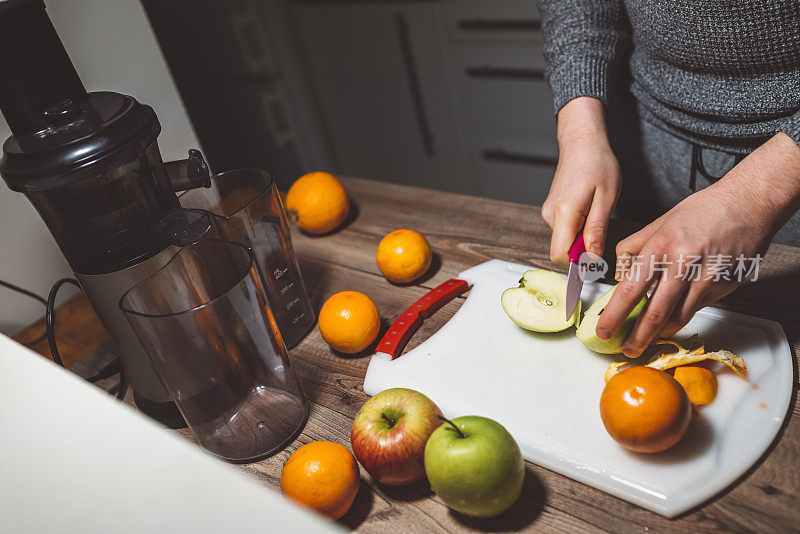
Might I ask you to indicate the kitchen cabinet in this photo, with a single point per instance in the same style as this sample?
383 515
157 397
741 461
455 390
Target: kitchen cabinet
380 73
508 118
238 71
496 59
489 21
442 94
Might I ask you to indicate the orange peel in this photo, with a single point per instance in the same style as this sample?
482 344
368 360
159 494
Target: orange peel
681 356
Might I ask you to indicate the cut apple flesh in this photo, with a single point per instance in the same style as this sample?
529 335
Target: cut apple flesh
538 303
586 330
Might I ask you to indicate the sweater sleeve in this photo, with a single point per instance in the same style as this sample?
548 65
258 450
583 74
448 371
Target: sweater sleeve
792 127
583 42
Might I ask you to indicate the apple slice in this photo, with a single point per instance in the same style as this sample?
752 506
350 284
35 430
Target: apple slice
538 303
588 325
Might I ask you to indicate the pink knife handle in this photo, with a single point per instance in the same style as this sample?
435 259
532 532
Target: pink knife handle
410 320
578 248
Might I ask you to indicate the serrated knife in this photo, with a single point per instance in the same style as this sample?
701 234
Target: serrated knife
574 278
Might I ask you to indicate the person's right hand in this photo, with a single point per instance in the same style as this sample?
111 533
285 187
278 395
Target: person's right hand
587 181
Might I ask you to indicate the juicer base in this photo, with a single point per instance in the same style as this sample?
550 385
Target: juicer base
165 413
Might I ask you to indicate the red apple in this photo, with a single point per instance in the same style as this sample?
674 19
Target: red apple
389 434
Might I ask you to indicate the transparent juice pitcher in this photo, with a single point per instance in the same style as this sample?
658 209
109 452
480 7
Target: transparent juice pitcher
245 207
210 337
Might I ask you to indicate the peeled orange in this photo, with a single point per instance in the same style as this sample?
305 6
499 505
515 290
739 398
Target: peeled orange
699 382
645 410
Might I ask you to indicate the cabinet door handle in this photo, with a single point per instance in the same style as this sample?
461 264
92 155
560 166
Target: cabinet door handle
499 25
404 37
504 73
507 156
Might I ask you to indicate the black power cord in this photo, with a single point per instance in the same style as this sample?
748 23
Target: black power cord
50 319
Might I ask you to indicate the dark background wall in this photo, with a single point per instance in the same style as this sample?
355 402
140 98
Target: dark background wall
447 94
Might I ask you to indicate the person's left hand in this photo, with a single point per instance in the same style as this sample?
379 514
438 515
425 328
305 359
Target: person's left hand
735 217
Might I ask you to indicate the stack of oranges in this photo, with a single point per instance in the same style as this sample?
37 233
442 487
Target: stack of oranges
644 409
318 203
323 475
349 320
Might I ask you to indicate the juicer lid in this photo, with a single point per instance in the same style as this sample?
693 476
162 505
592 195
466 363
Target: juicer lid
106 128
59 131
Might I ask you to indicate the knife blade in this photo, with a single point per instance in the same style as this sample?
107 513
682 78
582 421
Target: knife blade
574 279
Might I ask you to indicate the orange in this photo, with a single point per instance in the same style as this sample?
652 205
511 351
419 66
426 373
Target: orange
323 476
645 410
349 322
700 383
403 255
317 202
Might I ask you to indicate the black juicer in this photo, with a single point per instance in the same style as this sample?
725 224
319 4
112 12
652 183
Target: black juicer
90 165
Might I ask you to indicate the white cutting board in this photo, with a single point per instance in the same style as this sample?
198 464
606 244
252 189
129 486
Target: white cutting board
545 389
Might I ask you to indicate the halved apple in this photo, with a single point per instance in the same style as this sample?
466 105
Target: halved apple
588 325
538 303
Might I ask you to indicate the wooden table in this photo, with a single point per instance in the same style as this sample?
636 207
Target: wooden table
465 231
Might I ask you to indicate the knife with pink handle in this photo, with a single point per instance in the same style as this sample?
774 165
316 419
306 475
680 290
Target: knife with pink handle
574 279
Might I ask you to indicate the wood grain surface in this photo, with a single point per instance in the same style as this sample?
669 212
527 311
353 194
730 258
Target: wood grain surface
463 232
78 331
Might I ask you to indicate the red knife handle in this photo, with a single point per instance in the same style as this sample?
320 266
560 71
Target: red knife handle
410 320
578 248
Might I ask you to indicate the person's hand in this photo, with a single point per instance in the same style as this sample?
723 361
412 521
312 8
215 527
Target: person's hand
587 181
735 217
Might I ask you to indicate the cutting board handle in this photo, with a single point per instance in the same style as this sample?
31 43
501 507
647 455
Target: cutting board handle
395 339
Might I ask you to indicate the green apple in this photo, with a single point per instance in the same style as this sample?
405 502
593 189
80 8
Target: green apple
586 330
474 466
538 303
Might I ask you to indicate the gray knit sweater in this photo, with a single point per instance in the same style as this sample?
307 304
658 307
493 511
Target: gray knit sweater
717 72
